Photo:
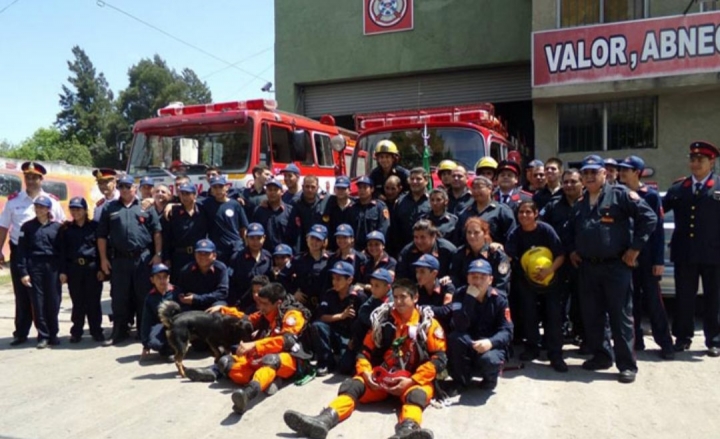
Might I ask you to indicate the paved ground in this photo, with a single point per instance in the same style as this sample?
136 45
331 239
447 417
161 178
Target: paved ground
86 391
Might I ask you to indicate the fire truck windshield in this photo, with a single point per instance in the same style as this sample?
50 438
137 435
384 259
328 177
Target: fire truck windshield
464 146
178 151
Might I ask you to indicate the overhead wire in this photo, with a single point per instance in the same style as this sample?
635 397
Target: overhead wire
251 81
102 4
8 6
236 63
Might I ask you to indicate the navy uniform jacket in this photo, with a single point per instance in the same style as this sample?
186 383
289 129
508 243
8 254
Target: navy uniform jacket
207 288
516 196
150 311
290 198
37 241
457 205
557 213
304 216
332 216
330 303
445 223
128 229
357 259
434 299
620 220
543 196
499 217
406 213
225 222
243 268
278 224
308 275
379 179
443 250
368 218
181 231
487 319
78 242
252 199
498 260
696 239
386 261
654 251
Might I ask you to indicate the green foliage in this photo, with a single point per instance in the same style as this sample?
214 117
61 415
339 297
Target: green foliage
49 144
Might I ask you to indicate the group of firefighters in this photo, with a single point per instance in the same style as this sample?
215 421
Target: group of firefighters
399 287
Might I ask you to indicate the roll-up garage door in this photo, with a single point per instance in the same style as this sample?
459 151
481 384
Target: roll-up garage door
501 84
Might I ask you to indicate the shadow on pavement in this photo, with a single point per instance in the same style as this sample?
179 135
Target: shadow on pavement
157 376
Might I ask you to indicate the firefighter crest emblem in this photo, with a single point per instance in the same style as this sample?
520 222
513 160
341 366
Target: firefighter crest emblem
387 13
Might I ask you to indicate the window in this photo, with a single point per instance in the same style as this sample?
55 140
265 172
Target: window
496 151
9 184
57 188
607 126
585 12
323 150
709 5
264 145
281 145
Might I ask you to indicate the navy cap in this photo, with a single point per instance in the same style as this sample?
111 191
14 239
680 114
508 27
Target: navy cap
632 162
218 181
535 164
343 269
282 250
480 266
255 229
428 261
704 148
344 230
44 201
383 275
147 181
292 168
365 180
78 202
126 179
33 168
188 188
159 268
375 236
204 246
342 182
610 162
318 231
592 162
274 182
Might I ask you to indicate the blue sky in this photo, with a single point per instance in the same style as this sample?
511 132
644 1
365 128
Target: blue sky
36 38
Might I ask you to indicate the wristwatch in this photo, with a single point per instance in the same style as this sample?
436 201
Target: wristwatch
158 254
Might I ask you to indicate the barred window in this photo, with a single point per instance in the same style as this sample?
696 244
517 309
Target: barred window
607 126
585 12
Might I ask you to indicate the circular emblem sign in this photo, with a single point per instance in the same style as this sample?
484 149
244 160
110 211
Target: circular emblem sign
387 13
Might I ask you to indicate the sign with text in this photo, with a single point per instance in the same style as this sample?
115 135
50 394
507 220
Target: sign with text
382 16
627 50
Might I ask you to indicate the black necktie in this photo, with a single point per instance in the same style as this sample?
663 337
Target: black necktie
698 185
506 198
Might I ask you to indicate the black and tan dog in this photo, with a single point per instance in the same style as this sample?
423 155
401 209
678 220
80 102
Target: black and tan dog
217 330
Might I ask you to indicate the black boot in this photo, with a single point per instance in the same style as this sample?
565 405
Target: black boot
409 429
242 397
202 374
314 427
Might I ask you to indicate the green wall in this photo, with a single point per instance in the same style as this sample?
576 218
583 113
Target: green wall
322 40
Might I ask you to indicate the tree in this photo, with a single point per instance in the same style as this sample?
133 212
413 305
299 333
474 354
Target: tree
5 148
86 105
49 144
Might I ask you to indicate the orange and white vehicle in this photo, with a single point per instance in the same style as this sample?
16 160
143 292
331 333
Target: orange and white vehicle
463 134
235 137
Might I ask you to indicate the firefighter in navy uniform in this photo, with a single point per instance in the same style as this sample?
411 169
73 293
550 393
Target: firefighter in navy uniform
276 216
291 178
651 264
408 210
387 157
508 192
609 228
184 226
306 211
443 220
226 219
695 247
253 261
107 185
499 216
336 209
368 215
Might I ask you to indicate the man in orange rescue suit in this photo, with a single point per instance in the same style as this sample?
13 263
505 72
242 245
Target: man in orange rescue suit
402 355
276 351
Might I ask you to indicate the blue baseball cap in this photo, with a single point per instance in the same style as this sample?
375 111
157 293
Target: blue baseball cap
318 231
480 266
282 250
188 188
365 180
610 162
159 268
632 162
43 201
375 236
273 182
342 182
218 181
292 168
344 230
592 162
126 179
428 261
204 246
343 269
255 229
78 202
147 181
383 275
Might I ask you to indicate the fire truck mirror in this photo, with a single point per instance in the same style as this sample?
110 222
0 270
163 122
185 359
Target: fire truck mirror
338 143
299 143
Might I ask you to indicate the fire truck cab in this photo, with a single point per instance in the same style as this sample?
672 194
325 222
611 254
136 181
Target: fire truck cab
235 137
463 134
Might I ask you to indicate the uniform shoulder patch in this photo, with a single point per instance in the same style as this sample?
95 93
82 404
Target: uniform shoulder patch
508 317
633 195
100 202
54 197
386 213
13 195
503 267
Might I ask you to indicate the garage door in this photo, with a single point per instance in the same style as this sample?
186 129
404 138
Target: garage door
504 84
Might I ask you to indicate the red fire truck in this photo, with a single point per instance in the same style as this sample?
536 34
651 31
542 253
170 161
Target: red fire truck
236 136
461 133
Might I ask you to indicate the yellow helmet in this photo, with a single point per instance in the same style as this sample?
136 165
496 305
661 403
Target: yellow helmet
447 165
533 260
386 147
486 162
